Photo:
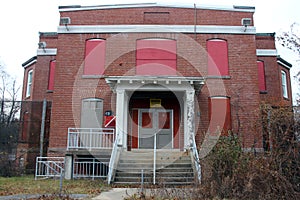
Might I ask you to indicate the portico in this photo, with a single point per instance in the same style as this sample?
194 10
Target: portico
163 119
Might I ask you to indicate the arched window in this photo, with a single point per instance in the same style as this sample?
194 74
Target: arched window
284 84
29 83
156 56
94 61
217 61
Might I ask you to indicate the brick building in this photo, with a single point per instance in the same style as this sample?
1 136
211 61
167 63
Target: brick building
157 79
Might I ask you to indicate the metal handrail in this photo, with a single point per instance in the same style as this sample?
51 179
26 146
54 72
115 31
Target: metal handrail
113 157
196 159
57 169
154 160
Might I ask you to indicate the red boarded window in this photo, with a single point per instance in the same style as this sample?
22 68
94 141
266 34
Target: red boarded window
217 52
94 62
219 115
261 76
156 57
51 74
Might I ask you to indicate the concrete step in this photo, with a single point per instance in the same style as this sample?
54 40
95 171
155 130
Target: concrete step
173 168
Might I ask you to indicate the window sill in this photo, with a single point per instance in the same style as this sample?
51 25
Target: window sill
218 77
92 76
49 91
263 92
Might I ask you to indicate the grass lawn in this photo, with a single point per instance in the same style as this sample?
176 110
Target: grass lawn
27 185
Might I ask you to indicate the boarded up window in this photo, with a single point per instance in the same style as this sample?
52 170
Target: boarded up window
261 76
156 17
94 62
156 57
217 52
219 115
51 74
92 113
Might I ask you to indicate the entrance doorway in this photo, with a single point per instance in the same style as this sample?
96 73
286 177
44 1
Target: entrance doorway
155 127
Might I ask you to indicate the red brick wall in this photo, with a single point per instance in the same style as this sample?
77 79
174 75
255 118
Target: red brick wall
136 16
273 93
241 86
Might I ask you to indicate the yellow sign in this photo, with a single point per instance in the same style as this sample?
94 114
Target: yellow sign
155 103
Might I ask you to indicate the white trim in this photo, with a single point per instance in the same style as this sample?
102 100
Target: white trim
156 29
143 5
283 64
31 63
266 52
47 52
29 83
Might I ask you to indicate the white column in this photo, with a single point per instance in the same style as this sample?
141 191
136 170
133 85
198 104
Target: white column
68 167
189 118
120 122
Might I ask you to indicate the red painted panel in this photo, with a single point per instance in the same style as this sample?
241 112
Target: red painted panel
219 114
156 67
164 120
217 57
51 75
134 134
147 120
261 76
169 46
94 62
161 53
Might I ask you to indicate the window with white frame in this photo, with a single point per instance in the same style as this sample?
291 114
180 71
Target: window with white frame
29 83
284 84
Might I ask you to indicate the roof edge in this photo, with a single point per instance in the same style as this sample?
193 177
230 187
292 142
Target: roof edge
29 61
140 5
266 34
45 34
283 62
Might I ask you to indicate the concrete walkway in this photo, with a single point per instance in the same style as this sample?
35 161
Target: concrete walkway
117 194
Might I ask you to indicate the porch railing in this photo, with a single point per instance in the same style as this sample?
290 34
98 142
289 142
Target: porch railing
47 167
90 138
89 168
113 158
196 160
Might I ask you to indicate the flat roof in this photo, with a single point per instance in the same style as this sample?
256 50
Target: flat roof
174 5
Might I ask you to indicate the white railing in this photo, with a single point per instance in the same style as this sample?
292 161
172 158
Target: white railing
196 160
89 168
90 138
47 167
154 160
113 160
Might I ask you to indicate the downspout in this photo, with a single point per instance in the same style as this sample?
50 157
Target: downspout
42 133
195 21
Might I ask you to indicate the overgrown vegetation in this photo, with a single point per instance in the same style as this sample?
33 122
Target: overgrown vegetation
231 173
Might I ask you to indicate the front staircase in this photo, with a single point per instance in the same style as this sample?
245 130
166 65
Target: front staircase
172 168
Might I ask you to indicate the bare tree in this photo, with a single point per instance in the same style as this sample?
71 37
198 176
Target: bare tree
9 124
291 39
8 93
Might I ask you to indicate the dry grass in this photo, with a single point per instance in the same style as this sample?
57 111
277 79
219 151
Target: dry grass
27 185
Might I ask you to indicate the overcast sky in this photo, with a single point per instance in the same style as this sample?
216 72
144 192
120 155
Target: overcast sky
21 22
